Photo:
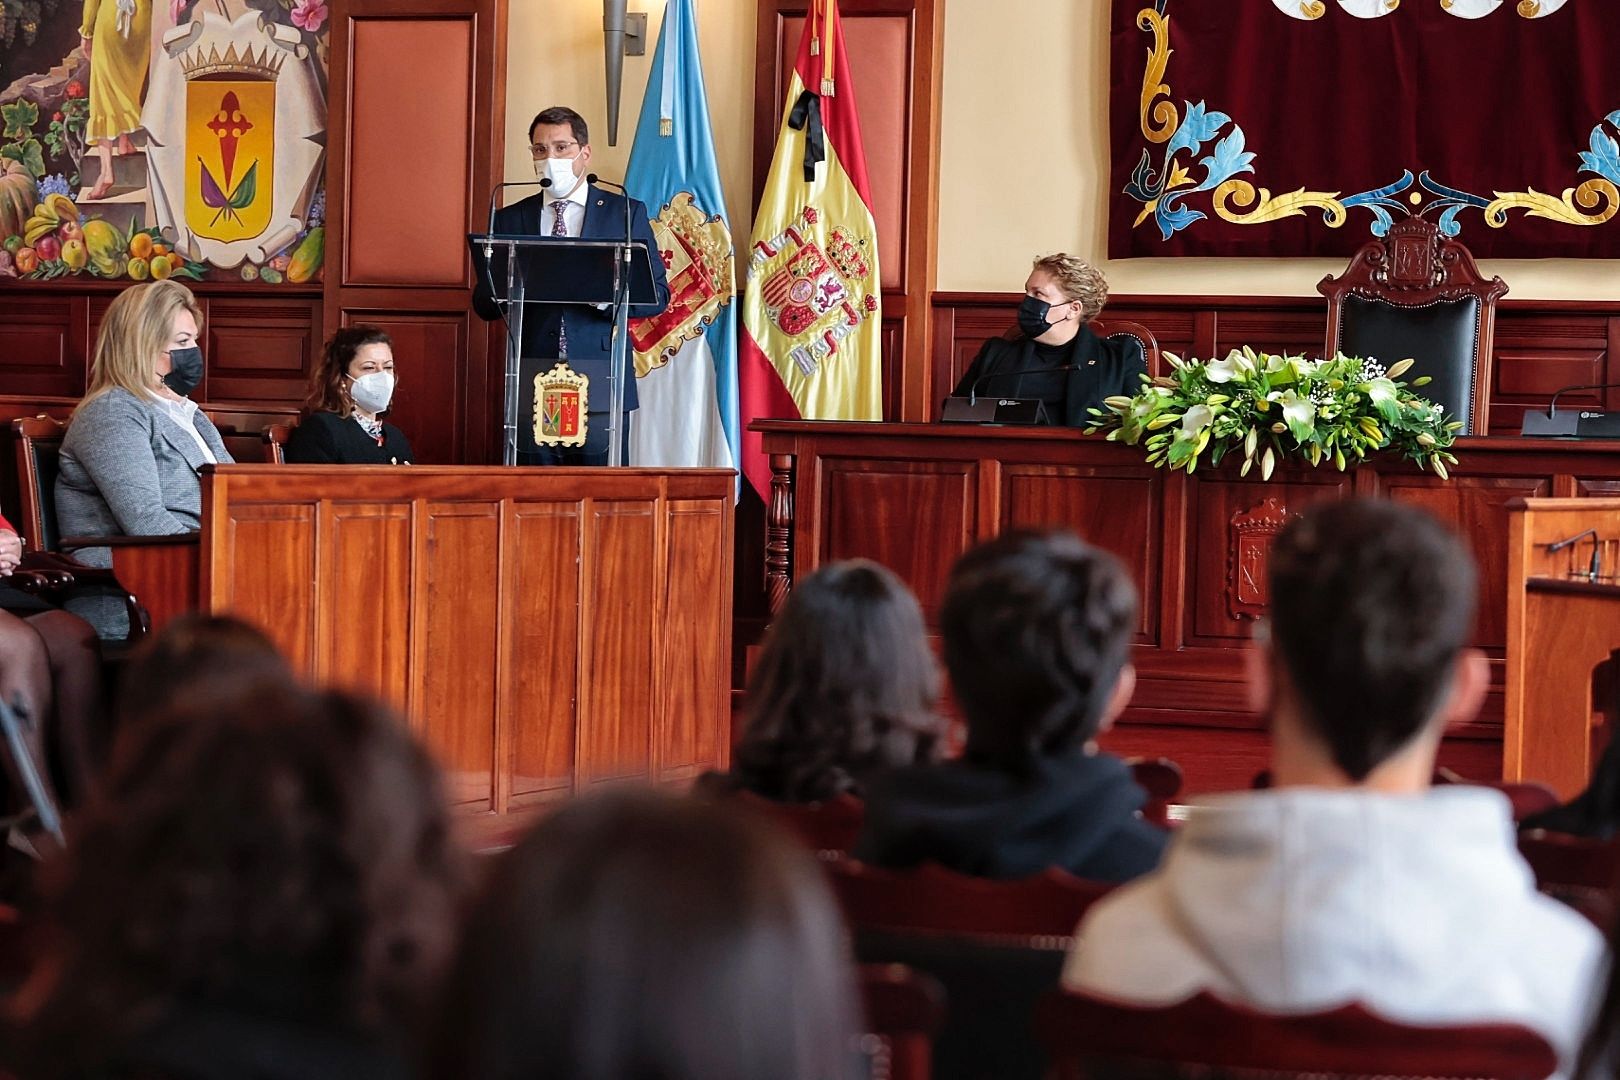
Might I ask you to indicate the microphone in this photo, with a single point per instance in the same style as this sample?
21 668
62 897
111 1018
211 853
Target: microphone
621 306
495 194
973 390
1595 564
1552 406
1570 541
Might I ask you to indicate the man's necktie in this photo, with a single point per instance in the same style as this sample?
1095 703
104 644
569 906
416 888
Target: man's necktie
560 228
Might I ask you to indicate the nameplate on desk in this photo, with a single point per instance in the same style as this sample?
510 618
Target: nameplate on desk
1572 424
993 410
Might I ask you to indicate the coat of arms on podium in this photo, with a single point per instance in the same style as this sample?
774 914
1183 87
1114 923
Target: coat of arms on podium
561 400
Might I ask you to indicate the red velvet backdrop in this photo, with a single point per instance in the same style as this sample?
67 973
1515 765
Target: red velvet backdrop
1504 117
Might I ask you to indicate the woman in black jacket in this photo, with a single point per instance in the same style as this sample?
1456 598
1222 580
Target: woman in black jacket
342 422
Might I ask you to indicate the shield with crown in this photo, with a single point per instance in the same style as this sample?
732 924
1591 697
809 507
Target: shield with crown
230 142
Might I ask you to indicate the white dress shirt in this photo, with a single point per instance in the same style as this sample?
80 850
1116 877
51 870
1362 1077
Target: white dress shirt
181 412
573 210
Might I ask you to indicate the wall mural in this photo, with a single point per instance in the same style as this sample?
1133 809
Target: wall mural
163 138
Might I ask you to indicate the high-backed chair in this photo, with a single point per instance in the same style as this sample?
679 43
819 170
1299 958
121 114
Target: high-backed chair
1416 293
996 946
1204 1036
1134 334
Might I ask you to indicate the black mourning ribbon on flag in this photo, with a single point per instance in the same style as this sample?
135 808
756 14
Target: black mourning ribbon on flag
807 112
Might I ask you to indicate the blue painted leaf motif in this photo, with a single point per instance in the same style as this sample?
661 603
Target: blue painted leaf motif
1604 157
1197 127
1614 118
213 197
1450 194
1145 184
1228 159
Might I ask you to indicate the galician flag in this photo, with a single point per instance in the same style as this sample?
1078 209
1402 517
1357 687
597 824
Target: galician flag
811 305
686 358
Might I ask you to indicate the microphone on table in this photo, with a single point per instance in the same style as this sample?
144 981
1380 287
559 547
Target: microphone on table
1580 422
1596 564
973 390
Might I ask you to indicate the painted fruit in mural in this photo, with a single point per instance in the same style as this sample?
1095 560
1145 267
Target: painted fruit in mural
161 267
27 261
106 247
307 259
75 255
48 248
18 197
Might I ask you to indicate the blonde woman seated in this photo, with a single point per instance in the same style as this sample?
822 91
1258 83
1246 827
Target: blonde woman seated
342 422
133 450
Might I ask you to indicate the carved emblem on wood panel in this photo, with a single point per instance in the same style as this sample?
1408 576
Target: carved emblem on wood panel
1249 552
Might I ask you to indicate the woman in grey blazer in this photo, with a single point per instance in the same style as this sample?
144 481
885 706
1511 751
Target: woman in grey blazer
132 453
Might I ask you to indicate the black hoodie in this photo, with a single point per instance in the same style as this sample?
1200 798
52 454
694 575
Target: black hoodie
1073 811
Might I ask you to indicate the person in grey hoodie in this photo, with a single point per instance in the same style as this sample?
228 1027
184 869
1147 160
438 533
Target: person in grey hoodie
1037 631
1352 879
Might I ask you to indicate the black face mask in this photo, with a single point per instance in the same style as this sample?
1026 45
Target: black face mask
1032 312
185 370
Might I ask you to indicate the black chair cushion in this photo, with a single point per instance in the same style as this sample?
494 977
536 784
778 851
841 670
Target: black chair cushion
1442 339
1136 348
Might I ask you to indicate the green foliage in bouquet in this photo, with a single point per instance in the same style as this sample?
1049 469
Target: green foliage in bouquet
1267 406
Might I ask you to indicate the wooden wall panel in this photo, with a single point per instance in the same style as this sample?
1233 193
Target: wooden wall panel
407 221
919 514
367 563
691 657
42 349
260 350
1104 506
622 591
542 596
458 644
280 598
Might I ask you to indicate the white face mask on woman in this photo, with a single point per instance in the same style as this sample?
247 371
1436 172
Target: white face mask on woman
373 392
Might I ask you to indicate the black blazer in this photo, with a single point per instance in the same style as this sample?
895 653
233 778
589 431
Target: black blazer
1102 368
325 438
590 329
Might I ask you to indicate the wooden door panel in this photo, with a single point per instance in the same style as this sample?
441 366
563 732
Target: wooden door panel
692 658
282 601
622 580
542 655
367 581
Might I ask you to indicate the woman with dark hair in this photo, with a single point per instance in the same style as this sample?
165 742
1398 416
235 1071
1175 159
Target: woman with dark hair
265 887
342 420
633 935
845 686
192 651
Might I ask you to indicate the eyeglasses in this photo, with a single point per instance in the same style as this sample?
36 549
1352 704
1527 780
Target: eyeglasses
541 151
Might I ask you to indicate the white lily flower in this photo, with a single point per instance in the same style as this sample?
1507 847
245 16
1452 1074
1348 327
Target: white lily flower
1299 413
1196 419
1224 371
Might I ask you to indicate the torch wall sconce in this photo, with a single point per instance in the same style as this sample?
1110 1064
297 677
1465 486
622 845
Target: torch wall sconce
623 34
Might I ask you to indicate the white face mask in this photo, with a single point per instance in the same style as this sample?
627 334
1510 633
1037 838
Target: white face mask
373 392
560 171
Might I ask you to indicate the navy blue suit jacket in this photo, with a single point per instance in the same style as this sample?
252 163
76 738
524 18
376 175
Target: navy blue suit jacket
590 330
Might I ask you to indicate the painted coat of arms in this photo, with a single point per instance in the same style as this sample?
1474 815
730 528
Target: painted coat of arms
561 401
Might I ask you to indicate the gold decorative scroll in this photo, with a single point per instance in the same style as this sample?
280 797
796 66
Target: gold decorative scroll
1269 207
1593 203
1164 117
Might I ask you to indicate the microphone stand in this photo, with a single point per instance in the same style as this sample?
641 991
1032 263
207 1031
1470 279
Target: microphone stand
620 350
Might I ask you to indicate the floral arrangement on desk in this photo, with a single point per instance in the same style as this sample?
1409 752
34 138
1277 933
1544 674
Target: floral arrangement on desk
1269 406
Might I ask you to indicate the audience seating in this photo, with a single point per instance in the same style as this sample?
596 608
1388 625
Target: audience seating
1204 1036
903 1010
828 828
1161 779
1581 872
995 946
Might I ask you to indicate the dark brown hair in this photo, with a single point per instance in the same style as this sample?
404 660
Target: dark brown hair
1037 629
845 685
194 649
1371 603
633 935
561 114
269 849
328 388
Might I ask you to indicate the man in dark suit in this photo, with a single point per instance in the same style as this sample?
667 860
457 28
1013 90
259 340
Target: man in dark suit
1062 295
580 333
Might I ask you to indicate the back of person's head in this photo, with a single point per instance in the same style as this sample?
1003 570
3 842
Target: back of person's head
635 935
264 849
193 650
134 331
1037 630
845 685
1371 605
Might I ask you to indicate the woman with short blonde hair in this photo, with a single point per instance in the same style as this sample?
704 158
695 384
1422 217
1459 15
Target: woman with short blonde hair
130 461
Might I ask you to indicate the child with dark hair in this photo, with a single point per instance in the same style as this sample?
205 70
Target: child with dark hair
845 688
634 935
1037 631
266 886
1352 880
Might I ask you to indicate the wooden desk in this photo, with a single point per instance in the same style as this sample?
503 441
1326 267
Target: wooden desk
916 496
544 629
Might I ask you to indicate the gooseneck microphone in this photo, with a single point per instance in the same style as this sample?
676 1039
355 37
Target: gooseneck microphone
496 193
1595 565
973 390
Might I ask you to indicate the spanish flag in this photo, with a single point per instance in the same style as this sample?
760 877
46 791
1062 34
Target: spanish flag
812 302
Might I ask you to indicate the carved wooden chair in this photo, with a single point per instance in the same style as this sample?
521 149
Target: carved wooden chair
1206 1037
1418 293
275 438
996 946
1134 334
903 1010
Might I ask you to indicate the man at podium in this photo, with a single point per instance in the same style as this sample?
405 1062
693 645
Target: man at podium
582 334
